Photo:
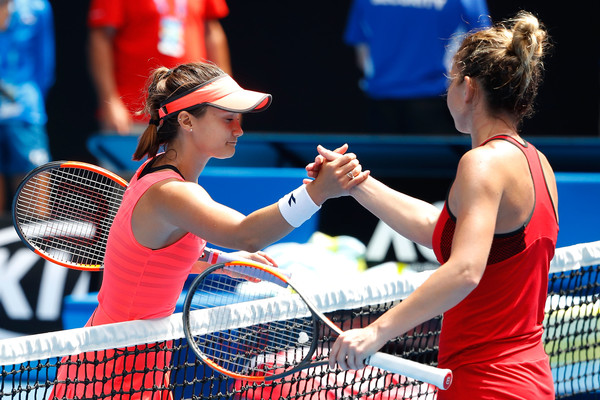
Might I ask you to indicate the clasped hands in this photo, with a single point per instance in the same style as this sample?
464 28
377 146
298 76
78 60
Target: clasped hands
346 168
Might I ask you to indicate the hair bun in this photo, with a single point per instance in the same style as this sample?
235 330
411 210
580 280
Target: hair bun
528 36
507 60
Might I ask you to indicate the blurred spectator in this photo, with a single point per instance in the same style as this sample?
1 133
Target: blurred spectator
130 38
404 50
27 62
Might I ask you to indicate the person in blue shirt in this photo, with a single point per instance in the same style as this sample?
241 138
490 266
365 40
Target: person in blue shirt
27 62
404 49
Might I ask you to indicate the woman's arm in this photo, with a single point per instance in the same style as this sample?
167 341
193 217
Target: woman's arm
413 218
114 114
217 47
171 208
475 199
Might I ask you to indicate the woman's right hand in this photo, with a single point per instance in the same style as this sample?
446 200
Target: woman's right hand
313 168
335 173
352 347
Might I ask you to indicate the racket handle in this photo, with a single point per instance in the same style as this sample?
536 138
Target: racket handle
442 378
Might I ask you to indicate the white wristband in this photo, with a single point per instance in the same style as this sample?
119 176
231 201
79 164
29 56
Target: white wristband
213 256
297 207
223 257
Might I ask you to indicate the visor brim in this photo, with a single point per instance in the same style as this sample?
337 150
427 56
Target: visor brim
243 101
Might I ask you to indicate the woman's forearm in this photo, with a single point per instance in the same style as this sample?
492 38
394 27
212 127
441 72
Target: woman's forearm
412 218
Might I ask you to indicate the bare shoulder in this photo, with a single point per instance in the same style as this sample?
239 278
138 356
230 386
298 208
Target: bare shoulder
170 195
494 156
488 169
481 161
475 177
177 188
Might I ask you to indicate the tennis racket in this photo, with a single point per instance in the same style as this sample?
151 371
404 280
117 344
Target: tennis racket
63 211
249 322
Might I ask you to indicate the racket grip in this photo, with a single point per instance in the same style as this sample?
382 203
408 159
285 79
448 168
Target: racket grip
442 378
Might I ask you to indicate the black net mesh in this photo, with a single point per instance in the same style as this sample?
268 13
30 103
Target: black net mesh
168 369
159 370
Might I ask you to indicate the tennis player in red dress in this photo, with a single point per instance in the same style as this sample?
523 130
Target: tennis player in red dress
494 237
166 218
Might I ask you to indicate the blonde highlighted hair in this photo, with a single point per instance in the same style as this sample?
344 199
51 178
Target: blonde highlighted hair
506 59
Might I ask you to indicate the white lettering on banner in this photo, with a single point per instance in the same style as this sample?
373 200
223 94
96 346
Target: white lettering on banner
380 242
12 271
7 236
406 251
427 253
13 268
82 286
52 287
437 4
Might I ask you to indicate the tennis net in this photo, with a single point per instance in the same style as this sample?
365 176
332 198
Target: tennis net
156 348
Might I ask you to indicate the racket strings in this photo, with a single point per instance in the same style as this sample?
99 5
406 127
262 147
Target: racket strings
67 213
257 350
252 331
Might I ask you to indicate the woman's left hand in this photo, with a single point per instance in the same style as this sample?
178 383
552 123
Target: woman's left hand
259 256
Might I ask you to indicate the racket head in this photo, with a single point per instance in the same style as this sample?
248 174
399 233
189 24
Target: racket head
63 211
248 329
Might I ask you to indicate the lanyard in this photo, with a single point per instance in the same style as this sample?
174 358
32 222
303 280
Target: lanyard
164 9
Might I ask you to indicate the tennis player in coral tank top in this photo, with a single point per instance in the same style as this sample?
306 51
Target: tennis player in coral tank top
166 218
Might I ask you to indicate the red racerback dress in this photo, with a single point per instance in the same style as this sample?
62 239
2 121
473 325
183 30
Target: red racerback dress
492 339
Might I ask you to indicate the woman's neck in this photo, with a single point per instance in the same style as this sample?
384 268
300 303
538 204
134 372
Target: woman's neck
490 127
190 170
